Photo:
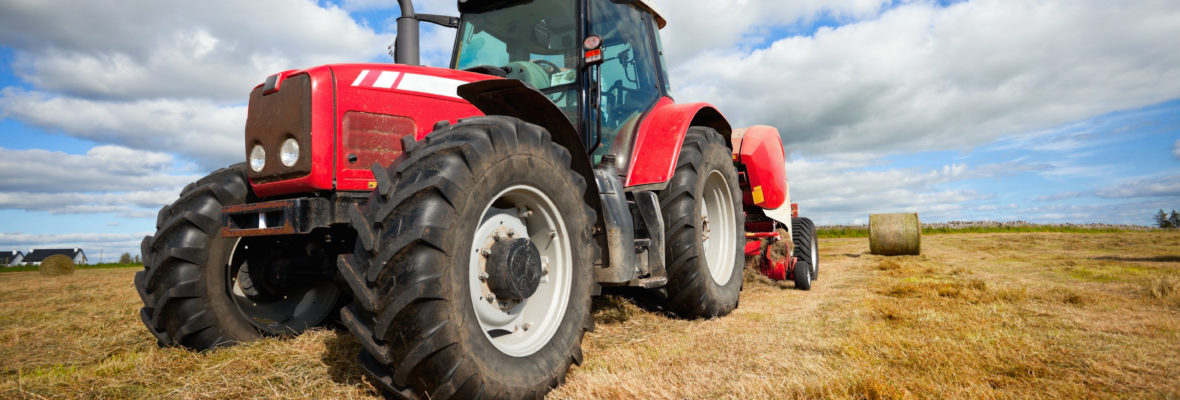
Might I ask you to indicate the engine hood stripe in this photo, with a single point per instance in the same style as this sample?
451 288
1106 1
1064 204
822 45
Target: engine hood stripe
393 80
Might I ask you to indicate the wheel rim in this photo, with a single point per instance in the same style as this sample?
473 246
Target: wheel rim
521 328
814 258
292 313
718 227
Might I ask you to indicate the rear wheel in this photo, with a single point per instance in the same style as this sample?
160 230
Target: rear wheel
197 287
472 272
705 229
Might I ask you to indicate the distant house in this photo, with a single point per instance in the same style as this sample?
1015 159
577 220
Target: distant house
36 256
10 258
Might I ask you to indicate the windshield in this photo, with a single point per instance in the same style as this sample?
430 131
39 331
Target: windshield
533 41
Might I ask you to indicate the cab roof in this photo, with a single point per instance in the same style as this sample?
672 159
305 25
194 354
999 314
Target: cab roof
484 5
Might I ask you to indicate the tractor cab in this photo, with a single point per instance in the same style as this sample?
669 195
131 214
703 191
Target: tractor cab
599 61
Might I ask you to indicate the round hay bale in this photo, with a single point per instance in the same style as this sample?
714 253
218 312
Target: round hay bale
57 265
895 234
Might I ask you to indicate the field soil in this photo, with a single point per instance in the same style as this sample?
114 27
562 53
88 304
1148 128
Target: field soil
1009 315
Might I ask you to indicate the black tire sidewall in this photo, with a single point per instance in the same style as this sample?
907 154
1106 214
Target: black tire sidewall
216 271
718 158
691 291
554 180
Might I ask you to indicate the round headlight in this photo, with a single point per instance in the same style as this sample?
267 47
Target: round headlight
257 158
289 153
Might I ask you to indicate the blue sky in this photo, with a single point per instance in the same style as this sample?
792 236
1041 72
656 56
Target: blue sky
1057 111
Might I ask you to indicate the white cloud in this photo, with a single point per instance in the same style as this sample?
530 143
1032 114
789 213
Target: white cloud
150 49
444 7
103 168
1159 186
922 77
701 26
850 193
140 204
197 129
1176 150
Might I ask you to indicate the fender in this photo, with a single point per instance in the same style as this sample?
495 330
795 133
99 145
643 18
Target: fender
510 97
659 137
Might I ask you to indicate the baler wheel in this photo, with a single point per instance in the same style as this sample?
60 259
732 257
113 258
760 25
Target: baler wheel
705 229
806 241
472 273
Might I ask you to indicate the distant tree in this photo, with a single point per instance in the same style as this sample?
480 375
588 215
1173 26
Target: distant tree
137 261
1174 219
1162 220
125 258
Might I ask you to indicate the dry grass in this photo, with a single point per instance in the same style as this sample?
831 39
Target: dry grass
1019 315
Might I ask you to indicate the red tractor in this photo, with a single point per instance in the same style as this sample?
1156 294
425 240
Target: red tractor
458 221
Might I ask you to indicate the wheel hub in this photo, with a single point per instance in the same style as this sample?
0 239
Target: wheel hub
514 269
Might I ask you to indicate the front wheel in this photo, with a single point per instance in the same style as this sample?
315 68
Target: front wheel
472 272
201 290
705 229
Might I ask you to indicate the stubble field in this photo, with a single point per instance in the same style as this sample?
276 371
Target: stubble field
1009 315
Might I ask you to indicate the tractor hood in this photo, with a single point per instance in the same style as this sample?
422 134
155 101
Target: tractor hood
336 121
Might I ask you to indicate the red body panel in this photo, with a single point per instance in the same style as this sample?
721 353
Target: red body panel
658 141
370 95
424 94
760 149
321 144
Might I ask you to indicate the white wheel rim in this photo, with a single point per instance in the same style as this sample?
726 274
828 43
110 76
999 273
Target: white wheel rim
814 258
718 227
522 328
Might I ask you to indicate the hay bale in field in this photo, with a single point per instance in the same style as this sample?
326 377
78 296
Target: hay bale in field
56 265
895 234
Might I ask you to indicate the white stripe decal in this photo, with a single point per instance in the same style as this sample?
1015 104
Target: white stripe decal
431 85
360 78
386 79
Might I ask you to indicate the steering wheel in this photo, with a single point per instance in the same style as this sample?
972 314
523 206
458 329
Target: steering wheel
549 67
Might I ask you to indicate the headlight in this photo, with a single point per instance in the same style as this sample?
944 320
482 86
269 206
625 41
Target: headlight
289 152
257 158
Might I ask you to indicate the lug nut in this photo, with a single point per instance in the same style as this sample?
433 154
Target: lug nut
527 326
511 234
485 252
491 299
483 276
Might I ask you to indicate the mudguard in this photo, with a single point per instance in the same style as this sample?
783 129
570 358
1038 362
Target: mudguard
658 140
510 97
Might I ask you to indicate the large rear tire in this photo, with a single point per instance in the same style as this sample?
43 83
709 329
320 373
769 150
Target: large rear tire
435 311
193 286
705 229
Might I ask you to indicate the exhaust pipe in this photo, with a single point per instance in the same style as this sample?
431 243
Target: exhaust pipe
406 48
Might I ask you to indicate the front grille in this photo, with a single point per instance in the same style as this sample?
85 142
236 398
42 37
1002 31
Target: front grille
275 117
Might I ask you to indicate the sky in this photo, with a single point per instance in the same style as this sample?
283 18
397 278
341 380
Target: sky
1047 111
